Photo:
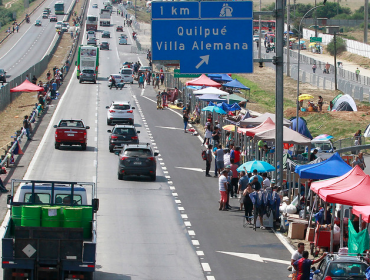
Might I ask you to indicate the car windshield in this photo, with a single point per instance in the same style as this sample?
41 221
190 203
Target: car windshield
138 153
70 123
87 71
2 71
322 145
347 269
124 131
127 71
121 107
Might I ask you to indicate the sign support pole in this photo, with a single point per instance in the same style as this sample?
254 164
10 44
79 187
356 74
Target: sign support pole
279 91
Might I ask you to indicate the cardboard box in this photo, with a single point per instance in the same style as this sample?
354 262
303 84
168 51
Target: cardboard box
296 231
310 234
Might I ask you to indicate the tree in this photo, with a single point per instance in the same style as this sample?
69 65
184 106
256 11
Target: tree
341 46
330 10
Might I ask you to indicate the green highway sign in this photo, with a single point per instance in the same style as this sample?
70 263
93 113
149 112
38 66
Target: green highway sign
315 39
177 74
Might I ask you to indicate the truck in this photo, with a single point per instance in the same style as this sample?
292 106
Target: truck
71 132
59 8
105 15
324 146
51 230
87 58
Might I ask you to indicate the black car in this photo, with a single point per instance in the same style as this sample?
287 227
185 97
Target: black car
122 134
2 76
137 159
88 75
337 267
105 34
104 46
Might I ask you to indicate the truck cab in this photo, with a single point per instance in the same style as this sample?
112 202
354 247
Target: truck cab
323 145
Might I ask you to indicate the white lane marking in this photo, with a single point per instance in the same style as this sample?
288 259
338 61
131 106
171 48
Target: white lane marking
175 194
187 223
206 267
95 163
200 253
211 278
172 188
170 182
181 208
177 201
94 179
164 168
195 242
184 216
95 139
161 163
168 127
142 92
255 257
191 232
284 241
192 169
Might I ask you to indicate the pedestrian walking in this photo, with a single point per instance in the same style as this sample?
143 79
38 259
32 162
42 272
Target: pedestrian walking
54 87
26 127
314 67
303 265
157 81
17 28
266 183
297 254
222 186
357 74
234 179
141 81
242 185
207 134
216 136
219 158
162 79
208 160
327 68
72 34
185 117
257 42
357 137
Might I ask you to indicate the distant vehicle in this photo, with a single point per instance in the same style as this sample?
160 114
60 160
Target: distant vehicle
65 26
267 25
45 14
87 58
92 41
122 134
95 6
325 148
123 36
53 18
127 75
88 75
92 22
123 41
105 34
71 132
105 16
58 25
104 45
91 34
256 38
137 159
47 10
59 8
120 112
117 77
3 76
119 28
38 22
144 69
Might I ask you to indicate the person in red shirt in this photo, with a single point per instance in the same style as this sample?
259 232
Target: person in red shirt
235 154
234 178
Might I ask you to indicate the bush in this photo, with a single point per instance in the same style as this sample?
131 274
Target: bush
341 46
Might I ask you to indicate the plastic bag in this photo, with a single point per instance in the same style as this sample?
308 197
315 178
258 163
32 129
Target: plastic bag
291 209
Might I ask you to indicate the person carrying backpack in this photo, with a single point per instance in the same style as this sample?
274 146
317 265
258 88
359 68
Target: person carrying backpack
208 156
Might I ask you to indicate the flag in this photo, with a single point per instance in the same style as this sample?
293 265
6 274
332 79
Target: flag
18 150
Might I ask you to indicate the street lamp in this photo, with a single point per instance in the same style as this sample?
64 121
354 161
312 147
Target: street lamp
299 53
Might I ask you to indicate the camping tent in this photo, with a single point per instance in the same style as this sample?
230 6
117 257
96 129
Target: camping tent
364 211
203 80
302 127
261 119
26 86
332 167
344 103
220 77
236 84
266 125
290 136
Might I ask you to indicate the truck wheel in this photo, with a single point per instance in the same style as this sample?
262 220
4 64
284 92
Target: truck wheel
120 176
7 274
57 145
89 276
111 149
83 146
153 177
94 81
108 122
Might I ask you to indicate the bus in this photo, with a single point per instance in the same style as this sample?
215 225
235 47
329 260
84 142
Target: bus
87 59
92 22
59 8
267 25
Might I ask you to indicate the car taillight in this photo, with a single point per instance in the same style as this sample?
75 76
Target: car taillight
328 278
114 137
151 158
85 134
112 111
130 111
123 158
134 137
74 276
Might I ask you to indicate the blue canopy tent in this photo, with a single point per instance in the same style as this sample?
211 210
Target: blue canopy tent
210 97
302 127
236 84
220 77
332 167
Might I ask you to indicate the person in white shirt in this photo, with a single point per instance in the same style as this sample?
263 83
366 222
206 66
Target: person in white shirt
266 184
296 256
222 186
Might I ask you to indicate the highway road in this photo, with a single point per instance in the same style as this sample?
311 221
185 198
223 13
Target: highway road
29 46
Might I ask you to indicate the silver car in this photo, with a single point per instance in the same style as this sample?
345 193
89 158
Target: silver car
88 75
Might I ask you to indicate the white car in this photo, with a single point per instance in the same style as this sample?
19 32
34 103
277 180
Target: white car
91 34
117 77
120 112
256 38
127 75
58 25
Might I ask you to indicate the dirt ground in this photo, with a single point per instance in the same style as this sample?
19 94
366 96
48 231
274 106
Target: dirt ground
11 117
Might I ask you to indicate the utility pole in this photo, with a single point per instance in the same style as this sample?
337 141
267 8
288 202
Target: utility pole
259 33
135 9
315 21
366 20
287 40
279 91
335 60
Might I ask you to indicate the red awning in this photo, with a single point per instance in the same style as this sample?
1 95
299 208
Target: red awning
364 211
27 86
266 125
203 80
351 189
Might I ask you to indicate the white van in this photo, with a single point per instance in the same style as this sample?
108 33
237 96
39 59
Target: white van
58 25
127 75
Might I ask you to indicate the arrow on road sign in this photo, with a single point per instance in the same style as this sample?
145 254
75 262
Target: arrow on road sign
255 257
205 58
192 169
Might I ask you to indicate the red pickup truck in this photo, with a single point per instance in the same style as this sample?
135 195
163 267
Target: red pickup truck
71 132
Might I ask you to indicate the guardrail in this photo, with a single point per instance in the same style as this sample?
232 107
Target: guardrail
353 149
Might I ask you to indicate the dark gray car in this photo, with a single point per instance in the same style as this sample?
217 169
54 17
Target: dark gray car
137 160
87 75
122 134
2 76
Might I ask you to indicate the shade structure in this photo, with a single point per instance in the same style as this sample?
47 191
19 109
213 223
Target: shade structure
362 210
26 86
302 127
305 97
261 119
220 77
260 166
234 98
334 166
235 84
214 109
289 136
210 97
266 125
229 127
323 137
211 90
203 80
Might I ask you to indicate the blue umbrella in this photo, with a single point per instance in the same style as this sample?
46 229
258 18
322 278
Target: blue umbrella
260 166
214 109
290 32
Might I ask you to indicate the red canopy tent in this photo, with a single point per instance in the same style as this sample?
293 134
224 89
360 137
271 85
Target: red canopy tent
364 211
354 189
266 125
27 86
203 80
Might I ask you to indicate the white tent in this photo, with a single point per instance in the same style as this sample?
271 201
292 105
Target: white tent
345 98
211 90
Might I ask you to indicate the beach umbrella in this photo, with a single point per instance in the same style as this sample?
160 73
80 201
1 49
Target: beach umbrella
214 109
305 97
229 127
260 166
323 137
